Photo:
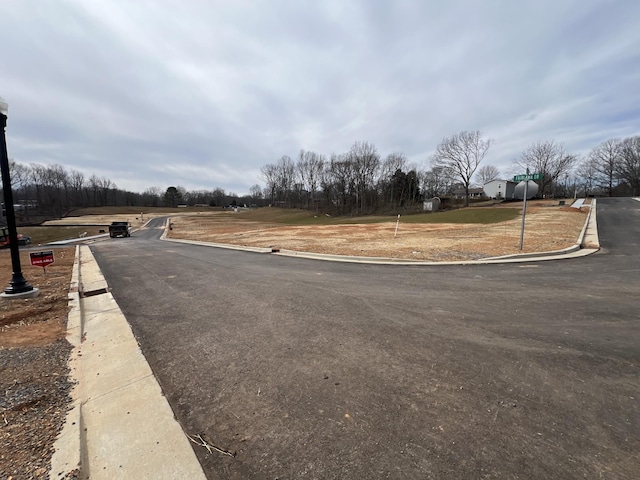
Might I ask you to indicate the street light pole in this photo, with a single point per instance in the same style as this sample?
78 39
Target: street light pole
18 286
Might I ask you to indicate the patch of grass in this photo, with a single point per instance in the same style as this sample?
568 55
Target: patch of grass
284 216
137 210
485 215
43 235
465 215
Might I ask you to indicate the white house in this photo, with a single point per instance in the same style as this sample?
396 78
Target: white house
505 189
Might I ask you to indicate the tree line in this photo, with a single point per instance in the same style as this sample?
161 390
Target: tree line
51 191
361 181
356 182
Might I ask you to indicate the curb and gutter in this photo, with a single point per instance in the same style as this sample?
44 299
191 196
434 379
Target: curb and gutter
586 244
120 425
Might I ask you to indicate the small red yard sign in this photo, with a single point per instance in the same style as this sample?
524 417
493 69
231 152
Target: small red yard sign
41 259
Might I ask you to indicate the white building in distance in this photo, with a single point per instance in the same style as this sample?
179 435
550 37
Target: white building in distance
508 190
504 189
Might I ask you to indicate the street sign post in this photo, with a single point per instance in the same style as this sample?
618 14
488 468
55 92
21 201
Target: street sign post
41 259
525 178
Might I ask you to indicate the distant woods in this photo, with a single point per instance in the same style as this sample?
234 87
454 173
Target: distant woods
51 191
356 182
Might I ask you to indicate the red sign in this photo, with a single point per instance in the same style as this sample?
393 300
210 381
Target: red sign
41 259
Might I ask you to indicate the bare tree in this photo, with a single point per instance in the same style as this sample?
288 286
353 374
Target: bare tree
285 176
393 163
268 173
629 165
461 154
255 192
366 162
548 158
152 196
38 180
486 173
586 173
606 157
76 184
219 197
436 182
310 166
58 180
19 175
339 181
280 178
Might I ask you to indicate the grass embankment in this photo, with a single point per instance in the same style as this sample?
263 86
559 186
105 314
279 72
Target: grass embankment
79 212
42 235
301 217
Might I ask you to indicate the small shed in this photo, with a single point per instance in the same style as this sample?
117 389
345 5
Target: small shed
432 205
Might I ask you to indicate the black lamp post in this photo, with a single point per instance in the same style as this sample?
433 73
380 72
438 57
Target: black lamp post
18 286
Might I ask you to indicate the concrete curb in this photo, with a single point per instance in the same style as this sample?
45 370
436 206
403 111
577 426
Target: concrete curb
66 460
589 225
589 229
120 425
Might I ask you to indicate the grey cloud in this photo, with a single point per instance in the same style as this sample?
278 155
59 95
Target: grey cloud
202 94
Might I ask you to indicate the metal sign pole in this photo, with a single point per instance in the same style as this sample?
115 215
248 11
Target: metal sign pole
524 210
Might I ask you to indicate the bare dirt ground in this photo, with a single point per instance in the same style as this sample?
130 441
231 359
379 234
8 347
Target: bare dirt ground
547 228
33 377
34 352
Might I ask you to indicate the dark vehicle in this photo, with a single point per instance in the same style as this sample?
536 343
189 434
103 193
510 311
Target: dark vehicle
120 229
4 238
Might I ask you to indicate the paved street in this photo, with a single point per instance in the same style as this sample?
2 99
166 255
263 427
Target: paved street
313 369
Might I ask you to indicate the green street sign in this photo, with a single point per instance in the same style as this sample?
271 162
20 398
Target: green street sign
531 176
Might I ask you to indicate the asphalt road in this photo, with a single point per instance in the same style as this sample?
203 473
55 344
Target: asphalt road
313 369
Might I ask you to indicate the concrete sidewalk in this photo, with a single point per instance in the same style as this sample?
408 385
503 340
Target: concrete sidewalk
121 425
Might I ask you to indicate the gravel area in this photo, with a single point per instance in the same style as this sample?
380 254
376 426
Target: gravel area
34 381
33 405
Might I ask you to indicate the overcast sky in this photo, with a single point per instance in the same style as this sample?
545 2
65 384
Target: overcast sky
201 94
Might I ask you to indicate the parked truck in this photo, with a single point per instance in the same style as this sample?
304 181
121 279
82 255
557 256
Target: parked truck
120 229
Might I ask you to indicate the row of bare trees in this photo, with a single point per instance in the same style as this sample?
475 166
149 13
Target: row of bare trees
51 191
614 167
361 181
611 168
355 182
54 190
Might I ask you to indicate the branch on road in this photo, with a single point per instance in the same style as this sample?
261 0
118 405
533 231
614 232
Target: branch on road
198 440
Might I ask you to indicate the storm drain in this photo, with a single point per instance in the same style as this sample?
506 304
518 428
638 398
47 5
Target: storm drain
93 293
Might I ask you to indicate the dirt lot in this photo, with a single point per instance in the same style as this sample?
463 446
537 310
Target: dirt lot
34 352
33 377
547 228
